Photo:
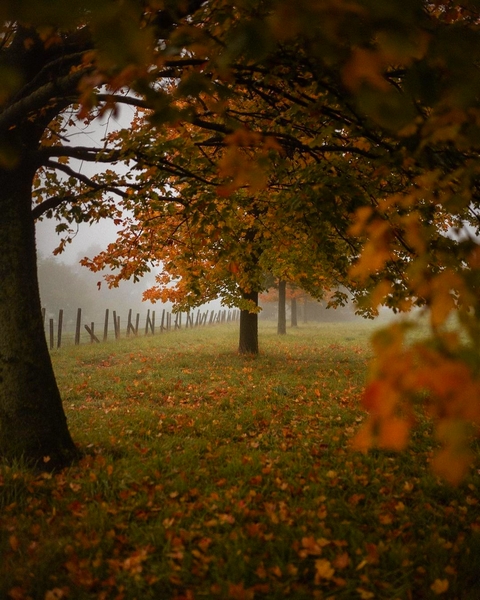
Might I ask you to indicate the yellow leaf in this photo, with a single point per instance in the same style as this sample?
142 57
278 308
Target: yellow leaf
323 570
365 594
439 586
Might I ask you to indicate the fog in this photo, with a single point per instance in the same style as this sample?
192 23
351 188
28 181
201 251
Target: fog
66 285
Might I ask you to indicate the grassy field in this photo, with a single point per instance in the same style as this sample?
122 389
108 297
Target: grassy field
210 475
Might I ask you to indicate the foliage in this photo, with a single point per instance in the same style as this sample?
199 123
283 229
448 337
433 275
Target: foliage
212 475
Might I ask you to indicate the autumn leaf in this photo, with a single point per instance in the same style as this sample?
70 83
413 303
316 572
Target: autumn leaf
14 542
365 66
323 570
439 586
341 561
393 433
56 594
365 594
452 464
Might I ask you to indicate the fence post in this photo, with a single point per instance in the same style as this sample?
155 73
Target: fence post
43 315
152 323
147 321
105 326
51 334
129 322
60 325
163 319
116 325
77 328
91 331
137 322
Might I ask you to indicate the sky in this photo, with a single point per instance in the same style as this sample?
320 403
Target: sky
97 234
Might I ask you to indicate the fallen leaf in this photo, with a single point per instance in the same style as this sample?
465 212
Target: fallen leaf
14 543
323 570
439 586
365 594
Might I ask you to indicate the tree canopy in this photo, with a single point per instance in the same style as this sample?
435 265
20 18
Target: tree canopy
324 142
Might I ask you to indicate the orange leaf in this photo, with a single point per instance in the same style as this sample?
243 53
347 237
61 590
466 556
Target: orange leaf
365 66
14 543
452 465
393 433
380 398
439 586
341 561
363 439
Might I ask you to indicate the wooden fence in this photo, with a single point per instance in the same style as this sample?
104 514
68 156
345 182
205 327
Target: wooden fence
57 333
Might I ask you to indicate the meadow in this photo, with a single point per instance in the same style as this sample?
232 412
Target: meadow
212 475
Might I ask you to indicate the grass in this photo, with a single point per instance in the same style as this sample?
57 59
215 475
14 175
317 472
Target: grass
211 475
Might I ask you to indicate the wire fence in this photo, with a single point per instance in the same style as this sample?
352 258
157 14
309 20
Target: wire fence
60 332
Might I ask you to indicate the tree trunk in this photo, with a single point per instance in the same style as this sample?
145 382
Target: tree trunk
248 343
33 425
282 308
293 311
305 302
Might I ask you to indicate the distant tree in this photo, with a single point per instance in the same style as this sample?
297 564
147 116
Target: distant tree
282 308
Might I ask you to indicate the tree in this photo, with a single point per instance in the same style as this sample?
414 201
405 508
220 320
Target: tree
223 209
49 60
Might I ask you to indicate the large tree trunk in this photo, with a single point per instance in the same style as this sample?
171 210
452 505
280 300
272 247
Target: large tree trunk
248 343
282 308
33 425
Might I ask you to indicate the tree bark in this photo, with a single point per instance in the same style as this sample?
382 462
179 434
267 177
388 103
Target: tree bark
248 343
33 426
282 308
293 311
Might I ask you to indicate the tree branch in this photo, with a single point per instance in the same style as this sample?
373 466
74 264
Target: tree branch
20 110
